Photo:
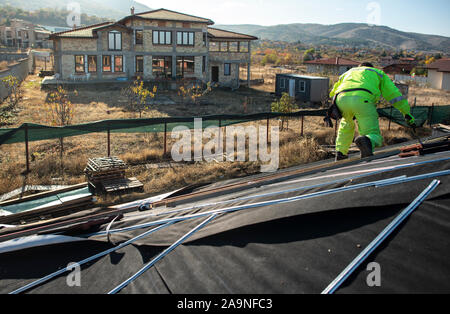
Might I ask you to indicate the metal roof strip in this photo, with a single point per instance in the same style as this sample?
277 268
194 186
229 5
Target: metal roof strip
161 255
212 214
290 190
87 260
336 283
279 201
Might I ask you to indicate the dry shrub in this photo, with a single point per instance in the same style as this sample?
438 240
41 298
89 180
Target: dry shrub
306 150
142 157
324 136
3 65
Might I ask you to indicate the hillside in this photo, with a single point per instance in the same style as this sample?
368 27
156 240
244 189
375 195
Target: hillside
48 17
346 34
111 9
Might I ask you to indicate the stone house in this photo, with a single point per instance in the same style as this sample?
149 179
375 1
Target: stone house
23 34
159 44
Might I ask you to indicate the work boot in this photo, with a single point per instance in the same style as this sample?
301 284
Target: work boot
365 146
340 156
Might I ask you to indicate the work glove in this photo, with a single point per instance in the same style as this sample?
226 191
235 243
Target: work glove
410 120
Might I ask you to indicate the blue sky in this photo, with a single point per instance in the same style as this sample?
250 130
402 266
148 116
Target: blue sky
427 17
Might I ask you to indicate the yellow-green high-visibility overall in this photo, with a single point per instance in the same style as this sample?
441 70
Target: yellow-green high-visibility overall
362 104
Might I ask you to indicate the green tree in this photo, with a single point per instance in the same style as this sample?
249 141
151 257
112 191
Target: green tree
309 54
137 96
286 104
15 91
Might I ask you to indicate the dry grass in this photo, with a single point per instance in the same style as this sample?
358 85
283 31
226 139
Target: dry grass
139 149
3 65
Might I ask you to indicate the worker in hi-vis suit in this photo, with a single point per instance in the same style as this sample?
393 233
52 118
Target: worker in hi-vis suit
356 95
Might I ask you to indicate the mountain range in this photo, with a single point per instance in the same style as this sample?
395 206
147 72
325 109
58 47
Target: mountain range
346 34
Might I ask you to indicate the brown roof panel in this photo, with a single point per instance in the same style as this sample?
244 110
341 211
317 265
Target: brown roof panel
216 33
82 32
168 15
442 65
333 61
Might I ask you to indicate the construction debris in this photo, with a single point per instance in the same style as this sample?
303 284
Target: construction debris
423 149
108 175
31 210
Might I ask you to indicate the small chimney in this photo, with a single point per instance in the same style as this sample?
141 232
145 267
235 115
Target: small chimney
132 10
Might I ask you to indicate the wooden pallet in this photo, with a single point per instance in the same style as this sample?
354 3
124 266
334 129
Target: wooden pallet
122 185
105 164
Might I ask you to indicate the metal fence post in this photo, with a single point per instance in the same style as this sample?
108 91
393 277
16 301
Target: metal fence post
431 114
165 138
26 148
109 142
303 120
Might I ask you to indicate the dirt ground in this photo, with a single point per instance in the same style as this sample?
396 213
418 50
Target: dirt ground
140 150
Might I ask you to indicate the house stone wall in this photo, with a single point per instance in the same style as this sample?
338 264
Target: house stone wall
78 44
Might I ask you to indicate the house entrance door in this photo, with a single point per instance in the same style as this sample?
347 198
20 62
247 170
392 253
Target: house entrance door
292 88
215 74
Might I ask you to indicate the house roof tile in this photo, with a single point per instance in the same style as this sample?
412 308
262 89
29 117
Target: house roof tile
441 65
333 61
216 33
168 15
82 32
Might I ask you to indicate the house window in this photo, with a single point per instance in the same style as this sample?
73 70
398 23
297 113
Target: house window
106 64
243 46
301 86
162 38
115 40
204 64
92 64
185 65
139 64
162 66
185 38
214 46
139 37
118 63
79 64
282 83
233 47
227 69
224 47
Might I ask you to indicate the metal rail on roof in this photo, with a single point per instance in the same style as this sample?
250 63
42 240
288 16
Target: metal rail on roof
379 183
369 173
161 255
336 283
212 214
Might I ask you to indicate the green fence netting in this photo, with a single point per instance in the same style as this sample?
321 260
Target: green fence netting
36 132
434 115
